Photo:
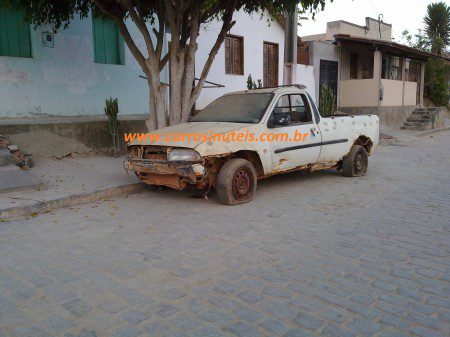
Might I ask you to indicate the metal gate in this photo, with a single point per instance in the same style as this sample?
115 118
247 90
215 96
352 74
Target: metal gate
328 75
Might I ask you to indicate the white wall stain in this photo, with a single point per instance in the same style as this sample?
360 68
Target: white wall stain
107 76
8 75
72 64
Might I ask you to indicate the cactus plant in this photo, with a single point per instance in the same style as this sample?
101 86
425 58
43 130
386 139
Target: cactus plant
112 110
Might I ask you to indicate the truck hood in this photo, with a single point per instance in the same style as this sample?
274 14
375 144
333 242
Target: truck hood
188 129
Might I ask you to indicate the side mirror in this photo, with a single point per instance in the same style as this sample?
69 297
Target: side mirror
281 119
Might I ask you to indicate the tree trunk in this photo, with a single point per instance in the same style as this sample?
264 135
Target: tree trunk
189 70
160 107
158 96
176 77
151 122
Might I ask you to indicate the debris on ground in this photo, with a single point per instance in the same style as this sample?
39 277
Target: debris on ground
68 155
20 159
75 155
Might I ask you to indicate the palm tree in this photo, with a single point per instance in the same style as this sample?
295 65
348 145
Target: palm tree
437 26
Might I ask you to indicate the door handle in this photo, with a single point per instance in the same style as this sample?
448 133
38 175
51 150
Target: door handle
313 132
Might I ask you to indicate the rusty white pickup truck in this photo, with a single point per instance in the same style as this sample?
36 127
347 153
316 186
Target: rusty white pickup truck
253 134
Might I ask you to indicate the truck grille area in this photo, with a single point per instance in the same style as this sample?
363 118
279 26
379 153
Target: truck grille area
156 153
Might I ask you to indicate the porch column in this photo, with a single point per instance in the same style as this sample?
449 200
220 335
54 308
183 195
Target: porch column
377 65
403 79
422 82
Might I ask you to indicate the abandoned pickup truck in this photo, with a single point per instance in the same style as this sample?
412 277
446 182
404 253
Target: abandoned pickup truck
250 135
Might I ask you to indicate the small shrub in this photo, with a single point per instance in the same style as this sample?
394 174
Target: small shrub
249 82
252 84
437 85
327 104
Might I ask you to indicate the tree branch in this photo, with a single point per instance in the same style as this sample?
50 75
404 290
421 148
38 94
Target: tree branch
164 60
189 70
226 26
170 13
131 44
160 35
140 24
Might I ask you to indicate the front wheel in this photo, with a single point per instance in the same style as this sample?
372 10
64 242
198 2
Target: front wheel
236 182
355 163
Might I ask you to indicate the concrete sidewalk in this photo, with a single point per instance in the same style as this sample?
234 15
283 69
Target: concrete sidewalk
389 135
68 182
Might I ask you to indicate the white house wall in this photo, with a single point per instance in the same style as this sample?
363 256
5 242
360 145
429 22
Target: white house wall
371 30
305 76
255 31
65 81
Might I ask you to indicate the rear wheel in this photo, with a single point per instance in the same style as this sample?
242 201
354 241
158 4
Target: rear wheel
355 163
236 182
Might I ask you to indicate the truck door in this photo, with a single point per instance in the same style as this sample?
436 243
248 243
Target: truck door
298 141
334 133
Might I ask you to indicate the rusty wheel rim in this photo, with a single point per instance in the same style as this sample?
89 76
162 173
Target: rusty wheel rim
360 163
241 184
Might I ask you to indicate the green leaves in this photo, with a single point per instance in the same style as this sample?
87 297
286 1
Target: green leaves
327 105
437 85
60 13
437 26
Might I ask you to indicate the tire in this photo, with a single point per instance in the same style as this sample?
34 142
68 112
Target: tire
236 182
356 162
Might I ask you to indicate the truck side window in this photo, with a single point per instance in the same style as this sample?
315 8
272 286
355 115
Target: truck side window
300 110
282 105
296 105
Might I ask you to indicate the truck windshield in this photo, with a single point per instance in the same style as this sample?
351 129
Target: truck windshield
237 108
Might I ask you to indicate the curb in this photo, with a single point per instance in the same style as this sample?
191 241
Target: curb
71 200
38 186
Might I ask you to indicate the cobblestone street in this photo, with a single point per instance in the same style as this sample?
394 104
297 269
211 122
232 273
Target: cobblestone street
313 255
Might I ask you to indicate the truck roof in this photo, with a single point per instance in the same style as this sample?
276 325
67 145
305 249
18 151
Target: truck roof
270 89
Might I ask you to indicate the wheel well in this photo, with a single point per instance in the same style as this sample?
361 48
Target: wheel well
365 142
214 164
252 157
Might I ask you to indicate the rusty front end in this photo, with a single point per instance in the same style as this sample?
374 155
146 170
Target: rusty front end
153 166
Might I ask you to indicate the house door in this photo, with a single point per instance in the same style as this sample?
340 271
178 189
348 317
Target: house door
328 75
270 65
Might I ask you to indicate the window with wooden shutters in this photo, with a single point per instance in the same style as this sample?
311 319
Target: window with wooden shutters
234 55
14 33
108 43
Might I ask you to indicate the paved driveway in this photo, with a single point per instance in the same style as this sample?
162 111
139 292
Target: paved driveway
313 255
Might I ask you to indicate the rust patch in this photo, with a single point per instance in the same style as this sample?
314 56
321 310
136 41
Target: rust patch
278 171
170 180
323 166
154 169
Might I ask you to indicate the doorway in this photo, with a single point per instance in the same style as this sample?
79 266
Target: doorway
270 64
329 76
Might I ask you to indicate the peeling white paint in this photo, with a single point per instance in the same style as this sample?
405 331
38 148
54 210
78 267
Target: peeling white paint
8 75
